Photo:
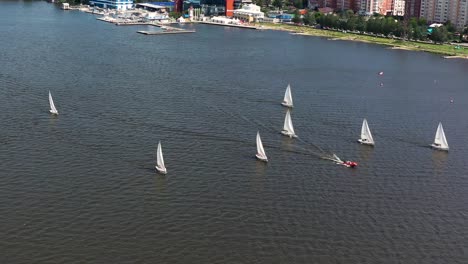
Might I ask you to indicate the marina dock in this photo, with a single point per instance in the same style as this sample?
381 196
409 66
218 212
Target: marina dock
166 32
228 25
165 28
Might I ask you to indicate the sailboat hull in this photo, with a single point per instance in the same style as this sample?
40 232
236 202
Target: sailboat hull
161 170
365 142
53 112
262 158
439 147
287 105
286 133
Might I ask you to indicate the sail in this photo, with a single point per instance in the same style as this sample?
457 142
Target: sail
159 157
440 137
288 126
260 149
365 132
52 106
288 97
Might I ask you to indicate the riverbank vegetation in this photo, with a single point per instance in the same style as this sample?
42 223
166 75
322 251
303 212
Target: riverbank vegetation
443 49
413 29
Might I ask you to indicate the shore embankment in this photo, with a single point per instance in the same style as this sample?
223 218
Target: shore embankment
447 50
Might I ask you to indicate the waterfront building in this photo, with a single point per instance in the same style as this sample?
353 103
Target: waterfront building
187 4
250 13
239 3
398 7
412 8
440 11
336 5
383 7
217 7
156 6
113 4
386 7
364 7
65 6
345 5
461 13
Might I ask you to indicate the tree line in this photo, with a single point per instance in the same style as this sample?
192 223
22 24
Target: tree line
414 29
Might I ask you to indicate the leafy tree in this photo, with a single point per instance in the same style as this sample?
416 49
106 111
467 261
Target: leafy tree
422 22
342 23
299 4
328 21
317 16
388 26
278 3
175 14
349 13
439 34
374 25
352 23
419 33
297 17
399 30
450 27
309 19
361 24
413 23
259 2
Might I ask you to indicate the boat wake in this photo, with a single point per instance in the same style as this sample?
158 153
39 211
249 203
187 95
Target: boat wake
332 157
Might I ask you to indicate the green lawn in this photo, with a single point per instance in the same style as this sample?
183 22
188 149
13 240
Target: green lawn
444 49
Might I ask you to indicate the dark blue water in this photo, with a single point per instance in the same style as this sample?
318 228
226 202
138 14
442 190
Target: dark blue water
81 187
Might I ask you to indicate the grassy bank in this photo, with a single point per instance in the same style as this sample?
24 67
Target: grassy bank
443 49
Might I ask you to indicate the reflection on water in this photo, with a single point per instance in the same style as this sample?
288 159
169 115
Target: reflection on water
439 160
160 182
258 179
365 152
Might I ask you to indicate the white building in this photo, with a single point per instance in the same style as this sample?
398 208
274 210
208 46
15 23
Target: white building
113 4
398 7
461 14
441 11
249 12
224 20
367 7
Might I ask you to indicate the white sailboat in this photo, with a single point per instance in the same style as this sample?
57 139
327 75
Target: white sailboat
366 135
288 129
52 110
160 160
440 142
260 151
288 101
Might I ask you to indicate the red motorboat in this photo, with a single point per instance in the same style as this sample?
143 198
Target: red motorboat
350 164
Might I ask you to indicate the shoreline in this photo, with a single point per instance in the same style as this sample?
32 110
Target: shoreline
446 50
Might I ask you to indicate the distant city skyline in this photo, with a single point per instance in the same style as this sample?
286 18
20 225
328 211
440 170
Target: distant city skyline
437 11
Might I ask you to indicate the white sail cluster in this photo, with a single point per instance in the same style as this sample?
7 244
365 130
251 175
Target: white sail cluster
440 141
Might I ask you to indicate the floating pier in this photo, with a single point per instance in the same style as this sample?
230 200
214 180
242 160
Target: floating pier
228 25
132 23
166 32
166 29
